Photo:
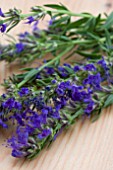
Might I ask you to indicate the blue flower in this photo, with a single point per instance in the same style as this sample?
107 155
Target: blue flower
39 102
17 105
38 76
19 47
19 119
93 80
18 142
55 115
62 71
9 103
45 133
44 118
45 111
102 63
23 35
3 95
67 65
89 90
3 27
51 21
48 88
13 141
30 20
1 13
49 70
35 26
89 107
12 103
105 67
65 85
60 91
36 121
3 124
23 91
22 135
18 153
53 81
76 68
89 67
76 96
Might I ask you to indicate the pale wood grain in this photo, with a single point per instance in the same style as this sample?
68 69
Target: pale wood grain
84 146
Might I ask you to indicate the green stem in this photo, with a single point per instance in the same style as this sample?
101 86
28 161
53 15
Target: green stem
104 38
36 71
78 42
72 14
24 16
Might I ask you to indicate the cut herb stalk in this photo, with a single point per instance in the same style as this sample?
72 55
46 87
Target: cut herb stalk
52 101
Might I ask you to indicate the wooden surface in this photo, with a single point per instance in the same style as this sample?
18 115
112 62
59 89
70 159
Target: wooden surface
84 146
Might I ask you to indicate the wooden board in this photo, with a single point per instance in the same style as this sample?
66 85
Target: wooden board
84 146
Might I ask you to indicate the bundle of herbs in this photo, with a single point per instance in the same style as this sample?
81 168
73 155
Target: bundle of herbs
53 100
43 101
83 33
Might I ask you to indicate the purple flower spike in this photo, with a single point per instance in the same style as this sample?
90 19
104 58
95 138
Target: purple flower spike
1 13
3 27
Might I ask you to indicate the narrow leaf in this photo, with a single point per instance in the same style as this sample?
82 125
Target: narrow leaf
58 7
109 22
109 101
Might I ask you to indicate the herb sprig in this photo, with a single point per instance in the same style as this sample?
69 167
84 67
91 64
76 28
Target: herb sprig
52 101
88 35
44 101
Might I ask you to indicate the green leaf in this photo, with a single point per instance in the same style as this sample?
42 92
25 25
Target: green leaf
47 80
57 62
93 36
96 116
1 22
90 24
109 22
57 22
31 73
70 70
26 69
55 6
98 18
108 43
89 54
41 82
12 26
109 101
78 113
76 24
